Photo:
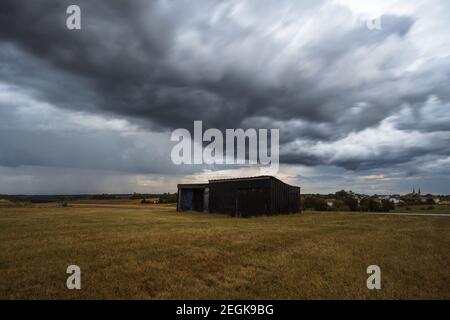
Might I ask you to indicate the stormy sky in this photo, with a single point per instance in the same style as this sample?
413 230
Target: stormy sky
91 110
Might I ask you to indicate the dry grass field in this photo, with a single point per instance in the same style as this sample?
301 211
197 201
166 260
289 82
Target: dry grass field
156 253
424 208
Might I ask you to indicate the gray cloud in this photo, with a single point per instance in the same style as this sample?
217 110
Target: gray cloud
309 68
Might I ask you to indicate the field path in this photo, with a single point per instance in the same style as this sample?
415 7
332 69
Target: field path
412 214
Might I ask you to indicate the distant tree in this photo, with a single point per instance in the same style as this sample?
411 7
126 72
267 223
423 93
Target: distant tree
341 195
340 205
135 196
167 197
348 199
369 204
365 204
103 196
315 202
375 206
387 205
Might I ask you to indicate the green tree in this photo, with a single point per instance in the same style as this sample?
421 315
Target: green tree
315 202
349 200
387 205
340 205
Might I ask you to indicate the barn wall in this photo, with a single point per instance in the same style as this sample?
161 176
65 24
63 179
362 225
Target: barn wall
240 198
284 198
294 200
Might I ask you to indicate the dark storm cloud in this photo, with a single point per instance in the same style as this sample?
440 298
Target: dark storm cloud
41 136
122 51
163 64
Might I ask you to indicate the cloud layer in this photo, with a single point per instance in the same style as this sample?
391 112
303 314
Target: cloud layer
345 97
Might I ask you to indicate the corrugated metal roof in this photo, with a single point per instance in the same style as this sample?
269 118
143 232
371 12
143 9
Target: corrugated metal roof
193 185
203 185
249 179
242 179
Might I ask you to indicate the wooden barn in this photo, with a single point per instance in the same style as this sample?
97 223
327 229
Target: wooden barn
240 197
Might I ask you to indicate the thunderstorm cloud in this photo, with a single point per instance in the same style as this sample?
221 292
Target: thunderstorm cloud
92 110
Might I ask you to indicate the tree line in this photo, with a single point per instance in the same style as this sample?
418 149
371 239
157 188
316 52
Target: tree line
345 201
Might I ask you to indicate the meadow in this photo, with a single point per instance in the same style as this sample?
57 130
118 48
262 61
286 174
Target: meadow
157 253
424 208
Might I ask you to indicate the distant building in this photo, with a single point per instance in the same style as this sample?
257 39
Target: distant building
150 200
413 195
330 202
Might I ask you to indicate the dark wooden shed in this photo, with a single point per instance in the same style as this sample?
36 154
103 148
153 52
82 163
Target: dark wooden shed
240 197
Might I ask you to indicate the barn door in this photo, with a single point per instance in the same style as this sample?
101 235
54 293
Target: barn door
187 197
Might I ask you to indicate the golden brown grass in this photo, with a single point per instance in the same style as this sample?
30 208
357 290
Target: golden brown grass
424 208
156 253
4 203
108 201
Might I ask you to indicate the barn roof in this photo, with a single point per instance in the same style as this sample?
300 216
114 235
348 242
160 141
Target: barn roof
242 179
193 185
248 179
204 185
